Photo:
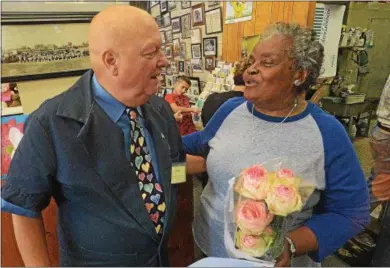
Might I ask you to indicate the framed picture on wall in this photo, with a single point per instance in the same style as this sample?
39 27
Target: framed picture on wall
185 26
163 6
169 81
197 66
171 5
181 66
176 25
162 80
175 68
168 51
185 4
197 15
195 85
214 21
167 19
210 46
176 47
159 21
45 48
209 63
11 102
196 36
211 4
169 70
168 36
187 68
196 51
162 35
183 51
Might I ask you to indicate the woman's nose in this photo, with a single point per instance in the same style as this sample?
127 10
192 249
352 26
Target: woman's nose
252 71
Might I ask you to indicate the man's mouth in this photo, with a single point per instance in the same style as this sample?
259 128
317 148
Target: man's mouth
251 83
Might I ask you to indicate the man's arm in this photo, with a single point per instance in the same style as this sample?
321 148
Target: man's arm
31 240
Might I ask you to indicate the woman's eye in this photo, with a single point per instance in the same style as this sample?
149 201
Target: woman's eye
267 63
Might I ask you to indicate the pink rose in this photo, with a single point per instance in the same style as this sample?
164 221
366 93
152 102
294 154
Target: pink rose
284 199
254 182
285 173
255 246
253 217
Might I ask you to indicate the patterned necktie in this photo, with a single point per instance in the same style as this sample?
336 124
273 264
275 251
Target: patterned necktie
151 190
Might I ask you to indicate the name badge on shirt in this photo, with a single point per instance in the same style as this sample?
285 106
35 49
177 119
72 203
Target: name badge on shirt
178 172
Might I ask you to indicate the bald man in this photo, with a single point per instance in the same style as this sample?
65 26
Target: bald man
104 150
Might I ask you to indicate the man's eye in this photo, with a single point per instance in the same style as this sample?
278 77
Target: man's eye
151 54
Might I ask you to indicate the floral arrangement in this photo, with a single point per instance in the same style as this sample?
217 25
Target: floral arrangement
262 201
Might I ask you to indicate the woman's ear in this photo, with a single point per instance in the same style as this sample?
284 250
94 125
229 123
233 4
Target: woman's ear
300 77
110 61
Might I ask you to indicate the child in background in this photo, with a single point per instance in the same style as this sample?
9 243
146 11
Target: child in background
179 102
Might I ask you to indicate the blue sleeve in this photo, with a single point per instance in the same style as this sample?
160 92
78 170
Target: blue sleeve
344 207
197 142
28 185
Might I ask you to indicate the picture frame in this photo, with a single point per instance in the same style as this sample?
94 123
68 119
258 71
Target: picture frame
171 5
183 50
60 50
214 21
168 52
166 19
169 71
163 37
11 102
168 36
197 65
159 21
153 3
196 35
197 15
163 80
176 47
169 82
209 63
185 4
185 26
195 88
181 66
175 67
210 46
176 25
196 51
187 68
163 6
211 4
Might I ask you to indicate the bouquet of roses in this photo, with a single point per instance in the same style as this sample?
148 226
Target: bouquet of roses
258 203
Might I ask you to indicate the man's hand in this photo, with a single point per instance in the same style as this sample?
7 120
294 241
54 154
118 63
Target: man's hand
284 259
178 116
381 186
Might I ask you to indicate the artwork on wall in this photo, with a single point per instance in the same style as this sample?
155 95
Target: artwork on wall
167 19
196 51
181 66
214 21
162 81
187 68
197 15
168 51
159 21
195 86
162 35
176 47
155 11
11 134
197 66
186 26
176 26
171 5
163 6
238 11
210 46
44 50
196 36
183 51
209 63
213 4
168 36
153 3
11 103
169 81
185 4
175 68
169 71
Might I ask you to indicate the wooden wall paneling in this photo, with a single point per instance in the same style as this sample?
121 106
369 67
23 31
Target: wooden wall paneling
300 13
287 14
249 26
263 16
281 11
311 13
275 11
225 39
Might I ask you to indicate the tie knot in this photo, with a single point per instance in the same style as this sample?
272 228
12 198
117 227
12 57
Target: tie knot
132 112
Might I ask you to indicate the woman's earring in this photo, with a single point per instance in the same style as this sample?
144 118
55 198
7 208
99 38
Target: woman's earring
297 83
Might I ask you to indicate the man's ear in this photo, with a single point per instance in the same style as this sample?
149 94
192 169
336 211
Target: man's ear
300 77
110 61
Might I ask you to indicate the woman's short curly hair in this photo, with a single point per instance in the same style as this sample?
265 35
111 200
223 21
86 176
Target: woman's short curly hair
307 53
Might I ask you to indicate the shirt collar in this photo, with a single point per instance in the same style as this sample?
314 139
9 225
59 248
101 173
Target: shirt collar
113 108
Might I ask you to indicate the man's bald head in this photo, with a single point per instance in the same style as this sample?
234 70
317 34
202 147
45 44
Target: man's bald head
125 53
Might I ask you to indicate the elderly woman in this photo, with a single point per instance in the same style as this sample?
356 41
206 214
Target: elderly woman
274 121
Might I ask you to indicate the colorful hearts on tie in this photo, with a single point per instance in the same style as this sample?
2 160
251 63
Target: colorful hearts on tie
148 158
140 184
161 207
141 176
146 150
149 177
148 188
149 206
132 147
158 187
143 196
135 135
138 150
145 167
138 161
154 217
155 198
141 141
158 228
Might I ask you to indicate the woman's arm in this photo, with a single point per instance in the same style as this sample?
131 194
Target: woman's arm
195 164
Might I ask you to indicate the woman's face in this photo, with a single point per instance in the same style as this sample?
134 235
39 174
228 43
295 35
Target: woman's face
181 87
271 74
